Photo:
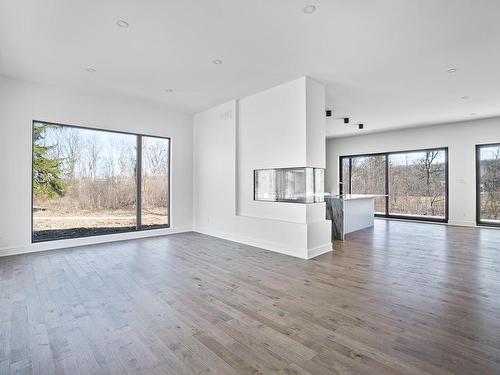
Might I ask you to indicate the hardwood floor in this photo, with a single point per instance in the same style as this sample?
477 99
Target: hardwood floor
400 298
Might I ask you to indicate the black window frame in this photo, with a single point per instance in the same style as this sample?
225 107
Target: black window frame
138 226
387 192
480 222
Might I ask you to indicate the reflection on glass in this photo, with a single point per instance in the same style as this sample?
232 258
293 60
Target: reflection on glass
489 184
299 185
292 185
83 182
154 182
310 193
265 185
319 185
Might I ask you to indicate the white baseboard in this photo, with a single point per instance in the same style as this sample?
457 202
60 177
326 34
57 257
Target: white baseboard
278 248
450 222
63 244
317 251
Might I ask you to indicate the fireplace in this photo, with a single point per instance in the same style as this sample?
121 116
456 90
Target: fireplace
293 185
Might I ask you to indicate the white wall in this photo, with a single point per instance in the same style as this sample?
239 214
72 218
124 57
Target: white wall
22 102
215 189
316 123
271 133
266 130
460 138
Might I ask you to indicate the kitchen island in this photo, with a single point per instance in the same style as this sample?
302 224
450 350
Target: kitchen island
349 213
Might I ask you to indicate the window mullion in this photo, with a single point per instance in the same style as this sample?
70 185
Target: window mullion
139 183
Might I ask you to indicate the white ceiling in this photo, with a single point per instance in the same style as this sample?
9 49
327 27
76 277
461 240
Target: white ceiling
384 62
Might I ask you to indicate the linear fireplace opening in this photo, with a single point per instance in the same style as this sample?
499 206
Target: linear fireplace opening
293 185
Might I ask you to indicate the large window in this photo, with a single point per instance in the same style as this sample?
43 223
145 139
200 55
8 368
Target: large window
89 182
154 181
488 184
411 184
417 184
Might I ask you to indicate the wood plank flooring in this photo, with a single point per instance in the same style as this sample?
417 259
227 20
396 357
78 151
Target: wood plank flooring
399 298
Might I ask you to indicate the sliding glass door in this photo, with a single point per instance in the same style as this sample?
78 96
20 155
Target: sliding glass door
368 177
417 184
89 182
488 184
345 175
412 184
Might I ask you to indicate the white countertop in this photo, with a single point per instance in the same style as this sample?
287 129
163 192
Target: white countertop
348 197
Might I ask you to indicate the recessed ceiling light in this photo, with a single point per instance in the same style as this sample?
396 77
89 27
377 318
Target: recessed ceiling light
91 70
122 23
309 9
169 90
217 62
465 97
452 70
361 126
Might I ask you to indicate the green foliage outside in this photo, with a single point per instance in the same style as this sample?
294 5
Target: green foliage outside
47 171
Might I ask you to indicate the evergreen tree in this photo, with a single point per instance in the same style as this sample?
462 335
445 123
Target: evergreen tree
47 171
